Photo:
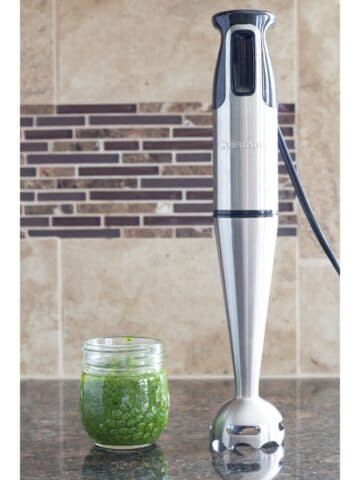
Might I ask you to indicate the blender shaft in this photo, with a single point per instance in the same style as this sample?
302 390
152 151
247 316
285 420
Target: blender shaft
246 248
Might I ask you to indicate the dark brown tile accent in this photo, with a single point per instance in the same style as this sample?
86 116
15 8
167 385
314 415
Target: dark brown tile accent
56 171
290 144
73 233
177 220
26 122
117 171
27 172
204 120
286 107
73 158
287 231
27 196
148 232
119 221
33 147
187 170
60 196
109 208
36 109
47 134
194 232
287 219
75 146
97 183
286 207
178 145
37 184
136 195
76 221
34 222
202 195
177 182
193 157
121 145
135 120
122 132
282 169
59 121
286 194
98 108
193 132
174 107
287 131
48 209
286 119
146 157
193 207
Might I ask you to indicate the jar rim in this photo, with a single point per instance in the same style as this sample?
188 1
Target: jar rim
122 344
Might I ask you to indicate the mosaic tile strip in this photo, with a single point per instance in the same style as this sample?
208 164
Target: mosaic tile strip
128 170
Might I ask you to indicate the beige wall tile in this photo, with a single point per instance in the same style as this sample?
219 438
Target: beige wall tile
39 308
168 289
37 50
319 318
158 50
319 118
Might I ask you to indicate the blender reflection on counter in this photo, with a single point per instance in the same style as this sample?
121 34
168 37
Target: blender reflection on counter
245 463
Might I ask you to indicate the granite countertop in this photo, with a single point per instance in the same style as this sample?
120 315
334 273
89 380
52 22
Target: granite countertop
54 445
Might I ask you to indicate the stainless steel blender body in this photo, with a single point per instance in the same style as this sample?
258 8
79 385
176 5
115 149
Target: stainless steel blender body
245 216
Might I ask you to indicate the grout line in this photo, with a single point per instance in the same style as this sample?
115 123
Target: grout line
297 248
55 53
201 377
60 310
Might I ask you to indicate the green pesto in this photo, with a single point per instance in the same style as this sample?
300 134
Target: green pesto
124 408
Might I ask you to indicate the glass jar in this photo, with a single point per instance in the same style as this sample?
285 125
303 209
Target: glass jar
124 394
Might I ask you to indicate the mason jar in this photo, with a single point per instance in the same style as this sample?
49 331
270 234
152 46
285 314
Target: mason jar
124 394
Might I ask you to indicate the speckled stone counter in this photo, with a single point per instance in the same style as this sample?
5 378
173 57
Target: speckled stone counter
54 445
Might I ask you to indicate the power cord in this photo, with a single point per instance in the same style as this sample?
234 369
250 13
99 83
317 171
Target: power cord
285 154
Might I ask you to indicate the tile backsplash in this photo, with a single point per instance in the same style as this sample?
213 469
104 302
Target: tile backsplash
116 142
127 170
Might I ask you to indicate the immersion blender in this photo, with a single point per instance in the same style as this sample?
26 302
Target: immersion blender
246 217
246 138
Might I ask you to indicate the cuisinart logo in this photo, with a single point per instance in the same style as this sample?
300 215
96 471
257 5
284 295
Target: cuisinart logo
241 145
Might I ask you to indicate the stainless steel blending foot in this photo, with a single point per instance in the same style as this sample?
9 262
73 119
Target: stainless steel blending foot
247 421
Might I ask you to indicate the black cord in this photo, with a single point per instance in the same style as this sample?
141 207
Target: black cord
304 201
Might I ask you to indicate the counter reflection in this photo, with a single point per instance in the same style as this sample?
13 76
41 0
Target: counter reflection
146 464
248 464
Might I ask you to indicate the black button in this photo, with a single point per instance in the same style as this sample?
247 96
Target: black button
243 62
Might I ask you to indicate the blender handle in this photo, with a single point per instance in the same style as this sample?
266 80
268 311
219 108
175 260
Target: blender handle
249 57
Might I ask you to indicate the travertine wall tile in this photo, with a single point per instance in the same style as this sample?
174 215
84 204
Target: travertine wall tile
319 318
37 50
117 50
39 308
319 118
168 289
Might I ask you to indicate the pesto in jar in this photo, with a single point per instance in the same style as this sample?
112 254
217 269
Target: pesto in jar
124 408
